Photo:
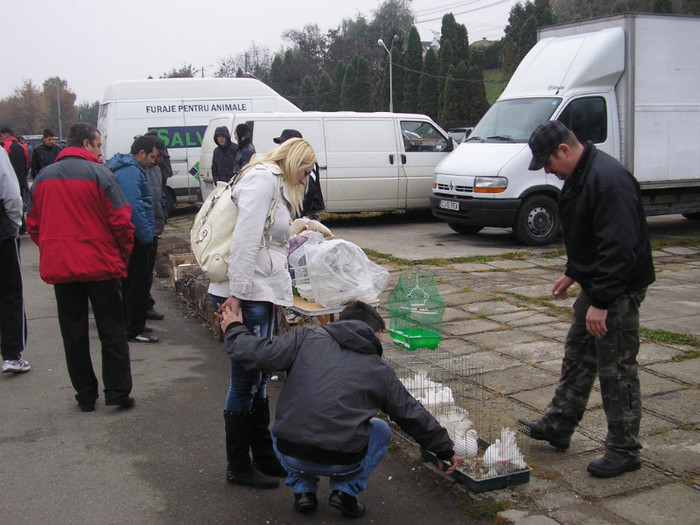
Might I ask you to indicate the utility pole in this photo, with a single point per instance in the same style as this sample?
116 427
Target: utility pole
58 105
381 43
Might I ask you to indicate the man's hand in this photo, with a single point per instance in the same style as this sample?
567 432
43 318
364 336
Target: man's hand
561 287
453 464
595 321
228 316
229 312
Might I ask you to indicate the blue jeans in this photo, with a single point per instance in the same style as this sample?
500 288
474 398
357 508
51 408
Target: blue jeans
302 475
246 385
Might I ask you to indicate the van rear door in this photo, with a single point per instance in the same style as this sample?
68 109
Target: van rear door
363 164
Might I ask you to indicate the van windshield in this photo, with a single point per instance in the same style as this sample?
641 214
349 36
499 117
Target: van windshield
513 120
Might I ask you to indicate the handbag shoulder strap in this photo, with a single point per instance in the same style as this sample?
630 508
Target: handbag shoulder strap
270 220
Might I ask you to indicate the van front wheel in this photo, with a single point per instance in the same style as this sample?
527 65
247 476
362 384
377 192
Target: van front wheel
537 222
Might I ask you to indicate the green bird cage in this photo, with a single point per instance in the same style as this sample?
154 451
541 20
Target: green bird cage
415 312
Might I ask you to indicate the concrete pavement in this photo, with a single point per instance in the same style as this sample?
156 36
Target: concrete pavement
163 461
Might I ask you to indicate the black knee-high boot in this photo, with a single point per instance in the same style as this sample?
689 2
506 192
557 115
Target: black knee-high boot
240 470
264 457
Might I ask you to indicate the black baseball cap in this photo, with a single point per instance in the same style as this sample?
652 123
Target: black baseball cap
286 135
544 140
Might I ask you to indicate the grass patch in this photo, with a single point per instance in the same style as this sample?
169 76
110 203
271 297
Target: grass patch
684 241
495 82
666 337
487 509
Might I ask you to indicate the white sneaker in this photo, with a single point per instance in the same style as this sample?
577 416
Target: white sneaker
16 366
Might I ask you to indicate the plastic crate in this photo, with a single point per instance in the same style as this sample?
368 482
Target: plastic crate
483 485
414 338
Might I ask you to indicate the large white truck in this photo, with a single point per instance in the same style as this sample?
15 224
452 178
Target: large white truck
179 109
367 161
629 83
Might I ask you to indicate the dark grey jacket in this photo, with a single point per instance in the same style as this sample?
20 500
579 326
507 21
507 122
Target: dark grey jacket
336 382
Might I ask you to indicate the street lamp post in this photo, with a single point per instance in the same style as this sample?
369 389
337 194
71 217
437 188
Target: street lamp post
381 43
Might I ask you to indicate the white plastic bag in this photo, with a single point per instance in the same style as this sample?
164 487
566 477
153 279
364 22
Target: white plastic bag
335 272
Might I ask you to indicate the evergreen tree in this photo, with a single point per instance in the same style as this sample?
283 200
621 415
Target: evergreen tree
527 38
449 101
339 78
447 58
462 91
662 6
277 76
478 104
307 94
429 86
413 60
363 89
326 96
348 101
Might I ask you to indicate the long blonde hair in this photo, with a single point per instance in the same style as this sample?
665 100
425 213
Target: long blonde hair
291 156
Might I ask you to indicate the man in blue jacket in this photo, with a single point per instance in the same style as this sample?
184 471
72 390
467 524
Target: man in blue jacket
131 176
325 422
609 256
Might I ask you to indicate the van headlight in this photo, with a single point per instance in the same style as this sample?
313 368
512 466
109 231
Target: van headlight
490 184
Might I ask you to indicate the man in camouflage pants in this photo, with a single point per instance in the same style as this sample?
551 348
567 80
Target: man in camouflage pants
609 256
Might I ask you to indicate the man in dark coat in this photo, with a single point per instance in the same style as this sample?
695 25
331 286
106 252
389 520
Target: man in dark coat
325 422
313 203
45 153
609 256
224 155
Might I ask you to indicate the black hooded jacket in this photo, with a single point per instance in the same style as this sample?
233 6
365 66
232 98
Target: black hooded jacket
336 382
222 161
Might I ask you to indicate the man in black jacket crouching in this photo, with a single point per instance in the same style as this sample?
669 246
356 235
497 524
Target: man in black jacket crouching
325 422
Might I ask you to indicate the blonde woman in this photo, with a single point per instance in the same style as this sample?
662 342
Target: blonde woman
257 280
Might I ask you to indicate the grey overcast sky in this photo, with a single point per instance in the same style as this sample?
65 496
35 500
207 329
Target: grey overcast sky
92 43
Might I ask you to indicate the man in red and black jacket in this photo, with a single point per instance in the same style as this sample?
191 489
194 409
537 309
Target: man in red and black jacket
81 222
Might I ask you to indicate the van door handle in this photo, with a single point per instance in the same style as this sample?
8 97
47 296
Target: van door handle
391 160
403 159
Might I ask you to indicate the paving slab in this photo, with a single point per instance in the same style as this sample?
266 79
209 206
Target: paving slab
535 352
573 467
539 397
472 267
674 449
542 289
473 326
491 360
518 379
595 425
491 307
653 353
500 339
509 264
681 406
687 370
673 503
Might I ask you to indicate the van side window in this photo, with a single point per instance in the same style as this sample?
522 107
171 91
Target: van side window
587 118
422 136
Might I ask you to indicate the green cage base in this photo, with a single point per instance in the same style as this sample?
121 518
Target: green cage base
415 338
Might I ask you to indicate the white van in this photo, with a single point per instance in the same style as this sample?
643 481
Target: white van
179 109
367 161
628 83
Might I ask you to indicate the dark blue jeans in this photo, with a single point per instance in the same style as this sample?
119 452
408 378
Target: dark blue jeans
302 475
247 385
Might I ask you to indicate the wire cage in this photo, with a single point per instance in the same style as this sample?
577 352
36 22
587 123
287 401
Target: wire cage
439 379
450 387
416 309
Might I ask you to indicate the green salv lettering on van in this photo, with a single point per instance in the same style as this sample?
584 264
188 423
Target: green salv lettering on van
181 136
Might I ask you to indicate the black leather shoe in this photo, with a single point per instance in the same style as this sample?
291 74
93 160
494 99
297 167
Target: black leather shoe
87 407
537 433
124 403
154 316
346 503
305 501
610 467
